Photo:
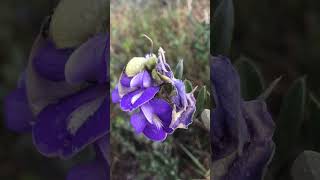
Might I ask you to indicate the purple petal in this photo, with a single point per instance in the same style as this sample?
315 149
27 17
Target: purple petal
229 124
259 120
42 91
145 95
18 115
154 133
115 95
139 122
181 93
186 115
125 80
49 61
146 79
137 80
253 163
52 134
164 111
95 170
89 61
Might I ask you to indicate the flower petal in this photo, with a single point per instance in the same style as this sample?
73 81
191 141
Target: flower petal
97 170
146 79
49 61
89 61
154 133
164 111
184 118
115 95
139 122
42 91
125 80
51 132
259 120
253 163
146 96
228 123
137 80
18 115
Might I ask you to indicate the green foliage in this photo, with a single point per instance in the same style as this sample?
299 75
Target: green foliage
178 73
201 100
188 86
222 26
251 80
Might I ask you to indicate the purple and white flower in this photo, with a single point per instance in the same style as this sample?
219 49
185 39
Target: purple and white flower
63 100
156 113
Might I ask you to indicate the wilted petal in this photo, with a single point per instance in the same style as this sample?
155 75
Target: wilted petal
181 97
88 63
138 122
18 115
147 94
55 136
49 61
183 118
154 133
253 162
259 120
228 124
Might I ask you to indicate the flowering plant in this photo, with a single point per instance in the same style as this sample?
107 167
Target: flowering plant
159 101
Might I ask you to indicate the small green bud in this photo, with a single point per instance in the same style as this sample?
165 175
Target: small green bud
135 65
151 63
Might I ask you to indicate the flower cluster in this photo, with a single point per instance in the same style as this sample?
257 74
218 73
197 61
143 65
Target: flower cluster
160 103
63 100
241 131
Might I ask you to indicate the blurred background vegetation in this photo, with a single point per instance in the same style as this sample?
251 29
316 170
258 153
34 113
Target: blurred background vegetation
274 39
181 28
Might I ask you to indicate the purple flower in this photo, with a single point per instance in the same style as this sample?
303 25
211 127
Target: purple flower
140 89
63 99
241 131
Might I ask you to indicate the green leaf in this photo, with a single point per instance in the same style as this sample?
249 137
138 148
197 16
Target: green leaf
201 99
179 70
194 159
188 86
250 78
312 125
222 28
290 121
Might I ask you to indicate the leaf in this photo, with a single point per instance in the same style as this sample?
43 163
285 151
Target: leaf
222 28
179 70
271 87
205 118
250 78
201 99
193 158
188 86
290 121
312 125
